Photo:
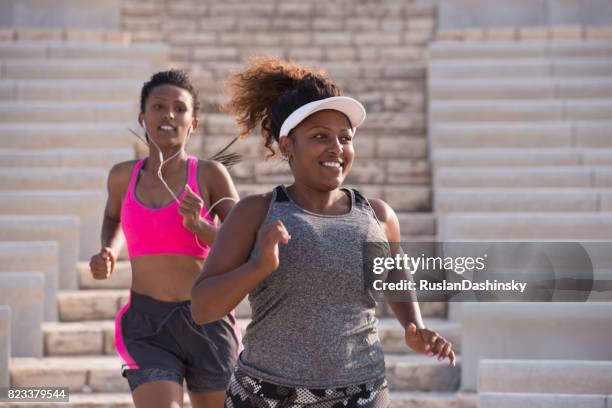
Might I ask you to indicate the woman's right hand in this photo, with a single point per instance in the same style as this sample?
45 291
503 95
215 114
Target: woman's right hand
268 238
102 265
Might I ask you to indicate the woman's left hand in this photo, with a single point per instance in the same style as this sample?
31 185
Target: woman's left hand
191 208
429 342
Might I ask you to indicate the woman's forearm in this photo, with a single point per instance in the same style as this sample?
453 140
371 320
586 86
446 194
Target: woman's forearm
213 297
407 312
111 235
204 231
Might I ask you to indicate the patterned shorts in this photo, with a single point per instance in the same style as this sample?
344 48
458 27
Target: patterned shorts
245 391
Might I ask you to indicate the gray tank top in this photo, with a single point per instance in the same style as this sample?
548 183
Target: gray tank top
313 323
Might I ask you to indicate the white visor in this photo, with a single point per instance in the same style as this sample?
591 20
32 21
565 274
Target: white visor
352 108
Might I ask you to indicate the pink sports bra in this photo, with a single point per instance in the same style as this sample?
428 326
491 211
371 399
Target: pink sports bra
152 231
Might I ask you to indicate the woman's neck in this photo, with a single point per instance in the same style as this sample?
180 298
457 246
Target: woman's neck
177 163
318 201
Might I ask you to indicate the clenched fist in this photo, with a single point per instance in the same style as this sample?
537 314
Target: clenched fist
102 265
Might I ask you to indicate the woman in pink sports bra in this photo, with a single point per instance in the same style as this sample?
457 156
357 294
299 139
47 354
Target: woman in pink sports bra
160 345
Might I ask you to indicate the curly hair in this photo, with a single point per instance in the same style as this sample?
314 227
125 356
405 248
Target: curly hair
269 90
174 77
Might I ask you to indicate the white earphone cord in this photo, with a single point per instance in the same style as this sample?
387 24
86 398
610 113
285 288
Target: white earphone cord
161 178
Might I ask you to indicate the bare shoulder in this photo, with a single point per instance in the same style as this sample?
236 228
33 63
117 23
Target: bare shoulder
255 206
120 174
383 211
208 168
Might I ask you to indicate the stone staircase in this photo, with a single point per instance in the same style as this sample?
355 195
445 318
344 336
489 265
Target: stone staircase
64 112
521 147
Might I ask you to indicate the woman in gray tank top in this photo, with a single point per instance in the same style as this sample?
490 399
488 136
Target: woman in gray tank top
298 251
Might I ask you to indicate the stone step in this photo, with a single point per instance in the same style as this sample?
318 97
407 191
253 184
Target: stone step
68 112
541 400
103 373
75 69
399 399
512 330
520 111
98 337
64 158
54 136
524 88
87 204
511 50
52 179
522 199
536 225
23 292
35 256
62 229
545 376
59 90
516 157
549 176
138 52
400 198
583 134
520 68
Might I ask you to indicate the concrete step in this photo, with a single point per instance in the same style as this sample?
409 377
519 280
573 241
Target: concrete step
516 157
68 112
59 90
523 88
520 68
549 176
64 158
541 400
536 225
52 179
54 136
583 134
521 199
511 330
75 69
34 256
87 204
545 376
399 399
520 111
103 373
98 337
137 52
511 50
62 229
23 292
400 198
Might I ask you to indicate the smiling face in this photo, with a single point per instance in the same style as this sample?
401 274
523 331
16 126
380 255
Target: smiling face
168 115
320 150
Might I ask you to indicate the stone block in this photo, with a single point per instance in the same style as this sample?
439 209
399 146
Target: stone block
38 35
501 34
590 110
593 135
508 157
332 38
7 35
513 177
527 226
34 256
23 292
62 229
408 198
63 13
514 331
533 34
5 345
85 69
72 339
90 304
505 69
22 51
579 67
545 376
463 89
52 179
497 111
87 204
422 373
598 33
516 199
505 400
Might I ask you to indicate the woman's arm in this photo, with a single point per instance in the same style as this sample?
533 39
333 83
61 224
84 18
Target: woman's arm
102 264
228 274
419 338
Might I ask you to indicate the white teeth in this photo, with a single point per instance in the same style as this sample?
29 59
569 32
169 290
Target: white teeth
332 164
165 127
